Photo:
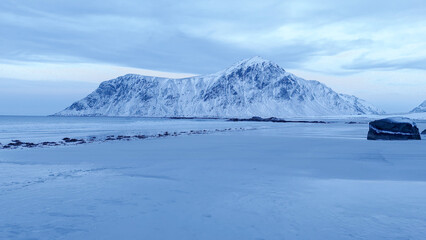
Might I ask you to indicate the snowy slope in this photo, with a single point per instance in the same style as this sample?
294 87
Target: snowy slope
421 108
252 87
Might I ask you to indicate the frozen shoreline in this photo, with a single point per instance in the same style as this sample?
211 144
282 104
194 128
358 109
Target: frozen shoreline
18 144
29 132
280 181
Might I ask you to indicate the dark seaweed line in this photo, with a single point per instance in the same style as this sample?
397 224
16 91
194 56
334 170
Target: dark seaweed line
272 119
15 144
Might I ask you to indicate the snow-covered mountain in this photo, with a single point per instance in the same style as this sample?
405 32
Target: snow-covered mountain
419 109
252 87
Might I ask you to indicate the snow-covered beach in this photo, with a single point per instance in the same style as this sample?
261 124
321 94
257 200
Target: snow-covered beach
269 181
212 120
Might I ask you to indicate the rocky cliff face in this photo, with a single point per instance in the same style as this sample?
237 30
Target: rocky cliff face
252 87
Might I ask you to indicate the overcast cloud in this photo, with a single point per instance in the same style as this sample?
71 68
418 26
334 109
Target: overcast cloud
321 39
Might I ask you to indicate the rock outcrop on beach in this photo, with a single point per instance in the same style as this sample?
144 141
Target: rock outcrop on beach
396 128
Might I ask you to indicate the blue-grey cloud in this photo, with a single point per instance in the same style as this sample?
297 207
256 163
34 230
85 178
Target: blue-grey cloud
18 97
329 39
193 36
363 64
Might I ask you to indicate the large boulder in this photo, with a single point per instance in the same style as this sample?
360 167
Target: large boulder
424 132
396 128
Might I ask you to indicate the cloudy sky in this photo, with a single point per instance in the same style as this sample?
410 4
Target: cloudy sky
53 52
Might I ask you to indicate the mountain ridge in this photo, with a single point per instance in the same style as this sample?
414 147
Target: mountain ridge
250 87
419 109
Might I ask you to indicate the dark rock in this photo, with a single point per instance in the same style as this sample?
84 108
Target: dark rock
256 118
140 136
70 140
271 119
29 145
393 129
92 139
49 144
182 117
122 137
110 138
15 143
424 132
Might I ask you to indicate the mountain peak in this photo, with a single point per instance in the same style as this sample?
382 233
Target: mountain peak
420 108
251 87
256 62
